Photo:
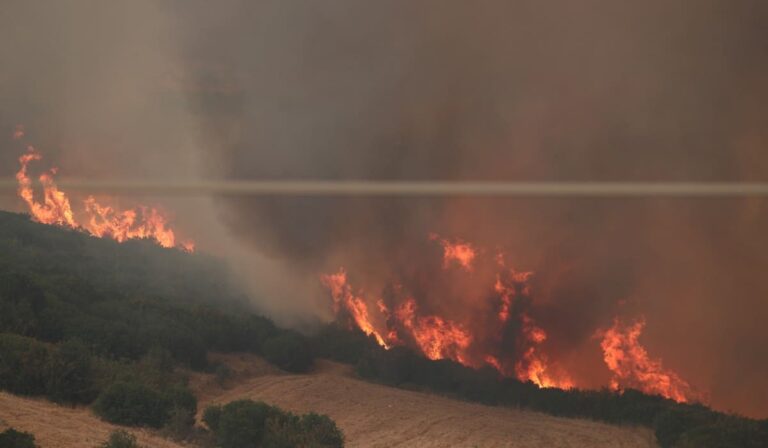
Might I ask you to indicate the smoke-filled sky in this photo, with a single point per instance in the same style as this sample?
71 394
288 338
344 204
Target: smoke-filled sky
433 89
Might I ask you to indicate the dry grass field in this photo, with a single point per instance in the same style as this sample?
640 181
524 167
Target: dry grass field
370 415
64 427
378 416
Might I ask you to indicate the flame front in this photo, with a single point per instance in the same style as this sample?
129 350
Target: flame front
493 327
55 208
436 337
510 340
344 299
100 220
632 367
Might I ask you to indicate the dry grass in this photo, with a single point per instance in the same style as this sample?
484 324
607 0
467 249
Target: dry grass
377 416
370 415
64 427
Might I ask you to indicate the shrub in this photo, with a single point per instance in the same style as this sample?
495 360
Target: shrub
136 404
180 424
10 438
69 374
120 439
289 351
23 365
212 416
321 429
241 423
249 423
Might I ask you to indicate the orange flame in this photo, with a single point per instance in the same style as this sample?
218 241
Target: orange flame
55 208
354 305
128 224
142 222
436 337
632 367
440 338
459 251
533 366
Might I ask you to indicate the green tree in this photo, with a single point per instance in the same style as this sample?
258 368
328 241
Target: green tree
289 351
10 438
120 439
70 374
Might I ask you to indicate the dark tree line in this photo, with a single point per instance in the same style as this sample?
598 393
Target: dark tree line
675 424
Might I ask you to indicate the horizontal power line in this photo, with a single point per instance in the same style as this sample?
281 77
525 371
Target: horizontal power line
408 188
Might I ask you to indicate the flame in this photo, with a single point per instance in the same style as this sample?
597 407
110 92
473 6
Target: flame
533 366
459 251
436 337
632 367
55 208
102 221
142 222
356 306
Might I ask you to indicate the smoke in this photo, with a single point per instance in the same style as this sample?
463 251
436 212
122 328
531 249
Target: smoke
489 90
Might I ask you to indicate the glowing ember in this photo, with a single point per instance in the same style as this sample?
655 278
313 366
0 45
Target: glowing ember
633 368
102 221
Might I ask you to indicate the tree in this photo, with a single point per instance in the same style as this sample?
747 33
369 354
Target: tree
10 438
69 374
120 439
132 403
289 351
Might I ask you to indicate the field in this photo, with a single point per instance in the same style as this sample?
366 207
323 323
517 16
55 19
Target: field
378 416
370 415
64 427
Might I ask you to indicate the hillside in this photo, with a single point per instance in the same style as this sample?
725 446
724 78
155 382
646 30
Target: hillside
373 415
57 426
370 415
121 327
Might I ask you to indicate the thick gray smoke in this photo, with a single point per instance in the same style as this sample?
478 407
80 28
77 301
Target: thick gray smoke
486 90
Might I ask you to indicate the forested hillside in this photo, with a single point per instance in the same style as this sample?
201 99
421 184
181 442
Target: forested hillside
114 325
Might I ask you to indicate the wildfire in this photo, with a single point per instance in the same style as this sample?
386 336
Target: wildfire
459 251
356 306
632 367
436 337
510 342
101 221
55 208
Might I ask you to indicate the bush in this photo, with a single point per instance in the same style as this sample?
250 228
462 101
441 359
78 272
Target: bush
70 375
23 365
136 404
180 424
249 423
120 439
322 430
289 351
10 438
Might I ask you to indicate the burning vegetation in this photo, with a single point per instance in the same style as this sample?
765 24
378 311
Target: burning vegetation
99 220
491 323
